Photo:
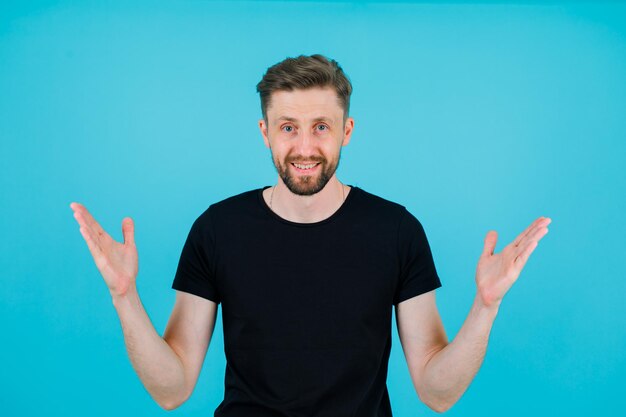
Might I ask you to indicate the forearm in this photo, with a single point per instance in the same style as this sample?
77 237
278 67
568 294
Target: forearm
449 371
159 368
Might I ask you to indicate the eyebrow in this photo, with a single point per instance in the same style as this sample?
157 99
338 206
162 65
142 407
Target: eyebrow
292 119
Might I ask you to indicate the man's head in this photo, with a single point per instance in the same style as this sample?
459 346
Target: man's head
302 73
305 103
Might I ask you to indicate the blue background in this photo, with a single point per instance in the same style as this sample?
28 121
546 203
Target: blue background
474 116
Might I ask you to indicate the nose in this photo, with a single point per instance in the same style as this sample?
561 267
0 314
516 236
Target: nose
305 143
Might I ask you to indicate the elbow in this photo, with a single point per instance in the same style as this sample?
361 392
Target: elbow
438 399
169 406
172 403
440 407
438 404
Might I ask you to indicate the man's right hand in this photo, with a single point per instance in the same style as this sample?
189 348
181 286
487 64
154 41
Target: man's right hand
117 262
168 366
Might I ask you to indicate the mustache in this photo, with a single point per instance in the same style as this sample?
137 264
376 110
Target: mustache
312 158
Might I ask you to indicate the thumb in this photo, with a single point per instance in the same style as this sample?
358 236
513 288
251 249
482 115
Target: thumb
490 243
128 229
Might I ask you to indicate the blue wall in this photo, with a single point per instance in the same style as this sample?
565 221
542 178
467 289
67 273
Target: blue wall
474 116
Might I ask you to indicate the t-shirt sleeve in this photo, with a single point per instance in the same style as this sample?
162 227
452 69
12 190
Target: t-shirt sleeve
418 274
196 270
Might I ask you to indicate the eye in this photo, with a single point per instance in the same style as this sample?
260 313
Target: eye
287 128
322 127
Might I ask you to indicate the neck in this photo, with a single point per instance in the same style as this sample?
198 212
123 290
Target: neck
309 208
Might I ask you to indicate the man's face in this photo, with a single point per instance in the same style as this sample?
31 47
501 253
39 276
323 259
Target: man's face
305 132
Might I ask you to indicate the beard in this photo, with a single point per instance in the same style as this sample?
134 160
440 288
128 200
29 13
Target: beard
306 184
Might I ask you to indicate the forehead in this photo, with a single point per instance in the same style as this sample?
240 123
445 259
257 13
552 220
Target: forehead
311 103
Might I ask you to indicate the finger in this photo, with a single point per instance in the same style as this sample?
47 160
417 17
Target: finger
89 220
94 249
539 233
522 258
535 236
526 231
128 230
490 243
81 221
529 229
84 225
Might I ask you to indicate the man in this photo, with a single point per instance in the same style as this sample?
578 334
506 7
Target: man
307 272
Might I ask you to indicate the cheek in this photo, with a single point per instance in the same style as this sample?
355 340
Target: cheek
279 152
332 146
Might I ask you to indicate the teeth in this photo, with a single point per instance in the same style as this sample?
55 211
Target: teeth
305 166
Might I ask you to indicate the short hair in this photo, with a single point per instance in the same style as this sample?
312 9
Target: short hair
305 72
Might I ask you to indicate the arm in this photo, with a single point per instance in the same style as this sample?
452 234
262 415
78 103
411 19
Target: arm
168 367
442 371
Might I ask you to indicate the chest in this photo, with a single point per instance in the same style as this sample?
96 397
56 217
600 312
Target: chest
314 288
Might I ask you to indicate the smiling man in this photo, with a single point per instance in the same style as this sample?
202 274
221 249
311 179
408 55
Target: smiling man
307 272
305 130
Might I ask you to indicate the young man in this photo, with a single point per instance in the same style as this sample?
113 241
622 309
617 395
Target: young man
307 271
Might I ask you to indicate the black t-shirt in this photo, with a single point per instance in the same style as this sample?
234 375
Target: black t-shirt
306 307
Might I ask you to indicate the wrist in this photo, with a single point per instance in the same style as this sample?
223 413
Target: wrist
483 308
129 295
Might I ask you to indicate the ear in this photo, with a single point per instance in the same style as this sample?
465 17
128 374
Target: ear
263 128
347 131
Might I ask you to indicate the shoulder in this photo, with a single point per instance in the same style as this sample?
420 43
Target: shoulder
243 199
378 205
231 207
388 213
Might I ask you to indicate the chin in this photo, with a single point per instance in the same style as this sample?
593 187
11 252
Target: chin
310 186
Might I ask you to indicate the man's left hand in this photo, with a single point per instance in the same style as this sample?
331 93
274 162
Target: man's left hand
496 273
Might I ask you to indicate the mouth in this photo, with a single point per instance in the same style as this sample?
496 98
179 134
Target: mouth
305 168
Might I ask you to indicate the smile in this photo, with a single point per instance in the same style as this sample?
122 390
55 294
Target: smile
305 166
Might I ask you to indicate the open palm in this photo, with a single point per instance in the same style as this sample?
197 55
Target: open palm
496 273
117 262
